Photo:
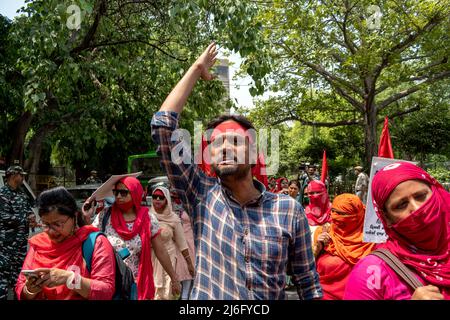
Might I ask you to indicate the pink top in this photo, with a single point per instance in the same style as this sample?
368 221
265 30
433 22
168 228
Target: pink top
102 275
372 279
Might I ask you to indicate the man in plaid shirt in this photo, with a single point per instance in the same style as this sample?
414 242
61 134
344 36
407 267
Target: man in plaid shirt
246 238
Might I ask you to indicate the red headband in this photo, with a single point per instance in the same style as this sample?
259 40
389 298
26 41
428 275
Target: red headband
158 192
258 170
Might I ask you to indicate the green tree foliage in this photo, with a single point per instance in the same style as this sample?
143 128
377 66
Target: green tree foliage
351 61
90 91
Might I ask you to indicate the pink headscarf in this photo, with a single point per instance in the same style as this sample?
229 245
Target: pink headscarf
318 211
421 240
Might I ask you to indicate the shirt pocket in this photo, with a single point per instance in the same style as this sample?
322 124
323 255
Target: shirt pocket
271 252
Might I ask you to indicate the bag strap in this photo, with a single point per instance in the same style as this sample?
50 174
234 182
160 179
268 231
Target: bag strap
88 248
106 218
403 271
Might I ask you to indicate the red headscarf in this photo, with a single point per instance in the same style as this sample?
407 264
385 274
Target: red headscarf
49 254
279 181
318 211
421 240
258 170
141 226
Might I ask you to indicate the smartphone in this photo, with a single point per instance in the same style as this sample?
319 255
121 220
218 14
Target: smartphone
30 273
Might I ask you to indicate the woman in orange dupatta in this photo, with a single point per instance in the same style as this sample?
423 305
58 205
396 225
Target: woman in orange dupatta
56 256
340 247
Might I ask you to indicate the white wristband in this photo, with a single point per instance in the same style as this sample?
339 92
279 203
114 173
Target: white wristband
69 282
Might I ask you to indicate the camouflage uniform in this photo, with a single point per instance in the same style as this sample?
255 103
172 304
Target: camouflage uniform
14 229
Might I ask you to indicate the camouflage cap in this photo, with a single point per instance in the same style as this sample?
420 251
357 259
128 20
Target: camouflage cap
14 170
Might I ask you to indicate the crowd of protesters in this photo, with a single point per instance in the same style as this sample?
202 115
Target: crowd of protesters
223 231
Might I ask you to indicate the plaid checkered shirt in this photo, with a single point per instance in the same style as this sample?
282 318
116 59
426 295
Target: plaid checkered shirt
243 252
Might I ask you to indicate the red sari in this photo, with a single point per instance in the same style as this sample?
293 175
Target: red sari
44 253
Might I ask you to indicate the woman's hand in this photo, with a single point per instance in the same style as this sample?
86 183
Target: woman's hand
33 285
54 277
427 293
176 287
206 61
88 209
191 269
324 238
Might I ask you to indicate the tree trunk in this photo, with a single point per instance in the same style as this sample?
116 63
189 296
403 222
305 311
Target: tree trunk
370 134
18 138
35 148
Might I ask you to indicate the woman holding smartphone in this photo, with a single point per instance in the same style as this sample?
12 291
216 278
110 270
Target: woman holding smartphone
54 268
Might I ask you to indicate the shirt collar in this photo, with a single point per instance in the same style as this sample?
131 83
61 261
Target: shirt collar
263 196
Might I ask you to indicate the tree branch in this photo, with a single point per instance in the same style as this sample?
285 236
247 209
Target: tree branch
402 45
413 89
103 44
402 113
99 12
317 124
320 70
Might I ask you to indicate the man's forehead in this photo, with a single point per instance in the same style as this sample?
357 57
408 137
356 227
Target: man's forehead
230 134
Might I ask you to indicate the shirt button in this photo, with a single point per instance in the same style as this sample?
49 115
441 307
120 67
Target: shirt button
246 231
249 286
247 259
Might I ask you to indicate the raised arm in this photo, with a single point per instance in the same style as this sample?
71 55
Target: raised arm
186 178
177 98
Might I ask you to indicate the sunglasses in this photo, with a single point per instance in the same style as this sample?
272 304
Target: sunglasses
123 192
158 197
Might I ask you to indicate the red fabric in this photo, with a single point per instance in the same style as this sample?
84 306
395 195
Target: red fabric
49 254
333 276
278 186
324 174
102 275
421 240
141 227
158 192
385 148
258 170
318 211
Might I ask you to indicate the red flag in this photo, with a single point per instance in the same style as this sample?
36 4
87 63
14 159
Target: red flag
324 173
385 147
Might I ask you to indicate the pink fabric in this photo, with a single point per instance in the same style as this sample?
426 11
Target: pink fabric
102 275
372 279
181 268
318 211
421 240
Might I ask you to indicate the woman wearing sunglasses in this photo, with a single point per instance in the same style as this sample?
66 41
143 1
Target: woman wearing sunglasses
172 233
131 227
56 270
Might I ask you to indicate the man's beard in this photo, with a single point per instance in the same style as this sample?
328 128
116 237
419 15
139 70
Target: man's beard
236 171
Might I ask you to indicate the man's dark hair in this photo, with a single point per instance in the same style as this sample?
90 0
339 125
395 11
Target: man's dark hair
243 121
295 181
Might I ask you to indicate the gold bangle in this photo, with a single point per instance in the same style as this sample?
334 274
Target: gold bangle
28 291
